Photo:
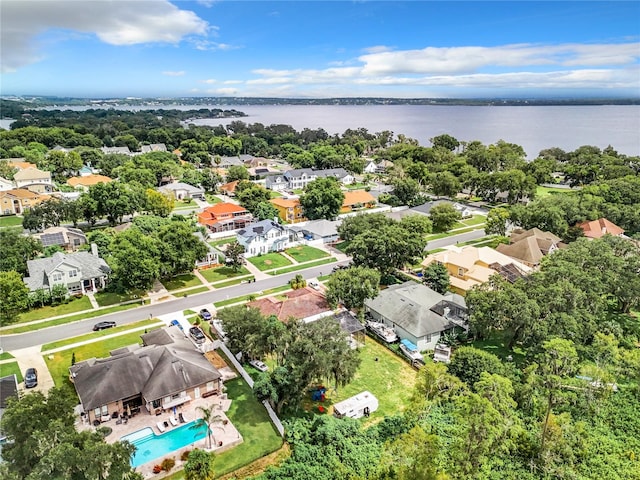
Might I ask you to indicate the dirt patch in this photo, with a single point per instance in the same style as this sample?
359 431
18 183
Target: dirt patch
261 464
268 262
216 359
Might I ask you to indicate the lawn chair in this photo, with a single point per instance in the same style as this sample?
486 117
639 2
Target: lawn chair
173 421
161 427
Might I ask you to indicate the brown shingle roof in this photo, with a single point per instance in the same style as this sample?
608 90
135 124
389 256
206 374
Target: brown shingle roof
301 303
88 180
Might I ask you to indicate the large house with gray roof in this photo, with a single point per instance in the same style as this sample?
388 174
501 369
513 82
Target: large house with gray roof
299 178
79 272
264 237
418 313
167 371
182 191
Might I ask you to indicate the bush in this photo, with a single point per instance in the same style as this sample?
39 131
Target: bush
298 282
185 455
167 464
157 468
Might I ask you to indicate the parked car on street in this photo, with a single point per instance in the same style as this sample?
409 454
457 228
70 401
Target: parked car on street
103 325
205 315
314 285
31 378
197 335
257 364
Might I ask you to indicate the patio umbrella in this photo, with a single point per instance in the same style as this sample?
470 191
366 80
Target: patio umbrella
128 410
174 411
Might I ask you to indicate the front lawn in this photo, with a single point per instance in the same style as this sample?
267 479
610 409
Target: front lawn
181 205
302 266
105 299
10 368
304 253
178 282
275 194
269 261
544 191
75 305
222 273
11 221
212 199
342 246
61 361
193 291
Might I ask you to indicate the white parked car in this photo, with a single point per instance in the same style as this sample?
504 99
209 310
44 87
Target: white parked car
314 285
257 364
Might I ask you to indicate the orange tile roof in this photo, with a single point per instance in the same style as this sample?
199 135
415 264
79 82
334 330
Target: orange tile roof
599 228
20 164
229 187
301 303
357 196
88 180
224 207
23 193
286 202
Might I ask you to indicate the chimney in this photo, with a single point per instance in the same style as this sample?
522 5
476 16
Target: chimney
276 220
94 250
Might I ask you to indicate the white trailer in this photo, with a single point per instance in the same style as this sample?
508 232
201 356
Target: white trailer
360 405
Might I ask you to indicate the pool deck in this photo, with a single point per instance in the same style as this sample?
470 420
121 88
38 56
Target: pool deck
225 436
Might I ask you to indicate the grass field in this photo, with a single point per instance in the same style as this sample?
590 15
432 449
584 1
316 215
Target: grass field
294 268
5 356
181 281
269 261
545 191
11 221
222 273
193 291
304 253
245 298
75 305
99 334
105 299
61 361
342 246
497 344
212 199
9 369
221 241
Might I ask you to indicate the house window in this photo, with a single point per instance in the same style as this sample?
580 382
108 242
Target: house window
57 277
460 271
73 273
427 338
156 403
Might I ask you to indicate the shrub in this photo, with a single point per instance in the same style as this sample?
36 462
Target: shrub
157 468
168 463
298 282
185 455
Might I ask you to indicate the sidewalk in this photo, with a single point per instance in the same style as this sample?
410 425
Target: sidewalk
256 272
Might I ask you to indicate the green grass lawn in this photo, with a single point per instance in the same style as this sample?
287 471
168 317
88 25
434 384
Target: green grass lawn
5 356
212 199
474 220
245 298
61 361
9 369
275 194
105 299
436 236
185 280
342 246
69 319
303 266
11 221
222 241
99 334
181 205
222 273
544 191
193 291
75 305
390 379
304 253
497 344
269 261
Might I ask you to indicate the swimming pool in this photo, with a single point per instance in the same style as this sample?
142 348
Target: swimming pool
150 446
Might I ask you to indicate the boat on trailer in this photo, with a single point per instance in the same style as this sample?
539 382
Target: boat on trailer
380 330
410 350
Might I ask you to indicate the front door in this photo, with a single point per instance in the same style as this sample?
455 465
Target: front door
196 392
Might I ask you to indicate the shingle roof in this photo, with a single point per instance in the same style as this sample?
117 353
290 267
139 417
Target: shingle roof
8 389
354 197
301 303
88 180
172 187
31 173
286 202
89 265
599 228
59 235
260 228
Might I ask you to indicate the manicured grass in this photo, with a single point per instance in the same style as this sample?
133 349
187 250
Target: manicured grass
544 191
342 246
5 356
436 236
193 291
99 334
185 280
180 205
250 417
275 194
11 221
212 199
245 298
222 241
105 299
304 253
61 361
497 344
474 220
69 319
222 273
303 266
75 305
269 261
235 281
9 369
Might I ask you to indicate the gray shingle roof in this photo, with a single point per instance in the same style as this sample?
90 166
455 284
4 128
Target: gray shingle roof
172 187
260 228
89 267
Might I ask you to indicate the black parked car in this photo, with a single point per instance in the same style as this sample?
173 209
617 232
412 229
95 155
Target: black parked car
103 325
31 378
197 335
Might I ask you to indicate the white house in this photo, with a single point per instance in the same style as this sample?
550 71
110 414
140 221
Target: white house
370 167
34 180
264 237
6 184
182 191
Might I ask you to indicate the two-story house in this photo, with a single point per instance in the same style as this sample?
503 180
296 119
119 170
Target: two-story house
34 179
356 200
529 246
299 178
85 182
264 237
19 200
79 272
289 209
225 217
66 237
6 185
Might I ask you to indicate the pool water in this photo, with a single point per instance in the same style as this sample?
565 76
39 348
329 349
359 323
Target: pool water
150 446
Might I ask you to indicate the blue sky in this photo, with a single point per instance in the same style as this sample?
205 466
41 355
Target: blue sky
116 48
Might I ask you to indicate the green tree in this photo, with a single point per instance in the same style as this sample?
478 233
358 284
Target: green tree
351 287
416 224
322 199
179 248
265 211
207 420
134 259
445 184
157 203
14 296
354 225
199 465
250 195
17 250
445 141
468 364
411 456
234 255
444 216
237 172
436 277
407 190
497 220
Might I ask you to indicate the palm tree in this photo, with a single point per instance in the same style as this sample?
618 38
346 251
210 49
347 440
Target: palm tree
208 420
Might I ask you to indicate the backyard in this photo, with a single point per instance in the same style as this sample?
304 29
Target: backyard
304 253
269 261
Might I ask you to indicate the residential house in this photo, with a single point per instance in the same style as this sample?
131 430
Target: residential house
264 237
352 327
116 150
425 208
600 227
19 163
18 200
418 313
356 200
289 209
229 189
469 266
213 256
325 230
298 179
277 183
33 179
66 237
529 246
6 185
85 182
370 167
8 389
154 147
166 372
79 272
304 303
225 217
182 191
226 162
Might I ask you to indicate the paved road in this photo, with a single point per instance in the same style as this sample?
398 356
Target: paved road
52 334
462 237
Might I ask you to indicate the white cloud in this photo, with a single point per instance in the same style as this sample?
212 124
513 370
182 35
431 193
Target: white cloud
202 44
113 22
174 74
223 91
209 81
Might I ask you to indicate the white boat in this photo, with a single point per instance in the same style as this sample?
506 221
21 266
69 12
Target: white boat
442 353
410 350
380 330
